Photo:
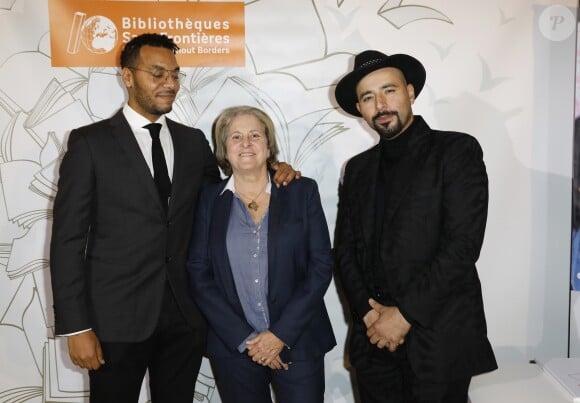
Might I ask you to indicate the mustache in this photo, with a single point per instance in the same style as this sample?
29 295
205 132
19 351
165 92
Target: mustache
385 113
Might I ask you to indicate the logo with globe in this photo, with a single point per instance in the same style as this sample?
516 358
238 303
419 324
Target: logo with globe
98 34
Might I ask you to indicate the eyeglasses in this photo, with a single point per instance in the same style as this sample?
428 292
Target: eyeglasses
160 74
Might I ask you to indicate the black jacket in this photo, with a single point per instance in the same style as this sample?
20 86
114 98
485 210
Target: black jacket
433 230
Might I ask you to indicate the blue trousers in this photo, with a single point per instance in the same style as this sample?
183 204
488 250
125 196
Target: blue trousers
241 380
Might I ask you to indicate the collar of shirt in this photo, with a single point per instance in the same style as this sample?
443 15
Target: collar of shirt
136 122
232 187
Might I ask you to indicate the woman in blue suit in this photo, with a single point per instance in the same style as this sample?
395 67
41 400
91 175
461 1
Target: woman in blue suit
259 265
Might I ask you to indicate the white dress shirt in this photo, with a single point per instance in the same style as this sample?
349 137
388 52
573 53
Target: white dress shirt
137 121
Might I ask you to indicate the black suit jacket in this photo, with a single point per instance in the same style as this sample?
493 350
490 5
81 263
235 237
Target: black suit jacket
113 247
299 272
433 230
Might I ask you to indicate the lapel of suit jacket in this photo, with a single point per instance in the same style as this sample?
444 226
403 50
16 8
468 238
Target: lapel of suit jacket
126 139
220 218
274 212
408 166
179 155
367 180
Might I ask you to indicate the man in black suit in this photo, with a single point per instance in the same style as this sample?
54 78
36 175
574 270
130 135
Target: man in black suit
410 225
122 222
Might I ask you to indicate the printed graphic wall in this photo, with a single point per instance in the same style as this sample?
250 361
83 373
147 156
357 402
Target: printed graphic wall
502 71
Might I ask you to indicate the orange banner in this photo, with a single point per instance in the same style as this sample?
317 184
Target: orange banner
89 33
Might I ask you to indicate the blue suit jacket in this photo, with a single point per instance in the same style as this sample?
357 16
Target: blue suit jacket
299 272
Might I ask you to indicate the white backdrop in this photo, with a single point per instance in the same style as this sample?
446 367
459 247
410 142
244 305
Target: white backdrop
501 71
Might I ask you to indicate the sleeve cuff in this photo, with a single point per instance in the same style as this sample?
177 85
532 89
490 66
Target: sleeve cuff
72 334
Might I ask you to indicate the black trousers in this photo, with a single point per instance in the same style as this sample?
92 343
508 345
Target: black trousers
172 355
385 377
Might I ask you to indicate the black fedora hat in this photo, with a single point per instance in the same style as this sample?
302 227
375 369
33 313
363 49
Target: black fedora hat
368 61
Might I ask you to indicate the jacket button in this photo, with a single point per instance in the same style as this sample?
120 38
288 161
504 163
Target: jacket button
168 259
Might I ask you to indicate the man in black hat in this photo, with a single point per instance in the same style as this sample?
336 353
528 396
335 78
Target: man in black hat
410 224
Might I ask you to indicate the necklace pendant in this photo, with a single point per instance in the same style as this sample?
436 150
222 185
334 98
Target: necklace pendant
253 205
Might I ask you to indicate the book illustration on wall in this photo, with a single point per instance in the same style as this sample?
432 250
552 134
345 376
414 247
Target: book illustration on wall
6 4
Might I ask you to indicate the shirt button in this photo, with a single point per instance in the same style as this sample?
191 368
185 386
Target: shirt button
256 281
254 255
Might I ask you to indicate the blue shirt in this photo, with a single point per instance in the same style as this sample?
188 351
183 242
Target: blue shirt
247 248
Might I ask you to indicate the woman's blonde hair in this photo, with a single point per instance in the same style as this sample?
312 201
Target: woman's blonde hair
220 134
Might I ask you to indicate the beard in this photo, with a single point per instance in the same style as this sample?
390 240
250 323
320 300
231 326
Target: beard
146 102
158 110
390 130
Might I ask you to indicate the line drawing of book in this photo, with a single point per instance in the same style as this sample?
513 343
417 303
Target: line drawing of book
6 4
62 382
74 38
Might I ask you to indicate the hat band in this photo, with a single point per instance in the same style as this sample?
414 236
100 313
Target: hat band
370 63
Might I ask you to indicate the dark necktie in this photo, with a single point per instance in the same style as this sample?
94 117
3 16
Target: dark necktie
160 174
